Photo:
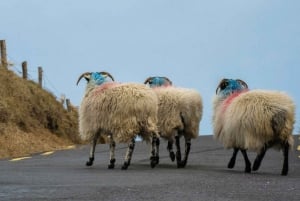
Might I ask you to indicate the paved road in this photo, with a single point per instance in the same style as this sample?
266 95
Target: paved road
64 176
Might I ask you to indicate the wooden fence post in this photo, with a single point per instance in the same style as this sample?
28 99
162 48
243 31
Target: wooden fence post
40 76
62 99
24 70
68 103
3 54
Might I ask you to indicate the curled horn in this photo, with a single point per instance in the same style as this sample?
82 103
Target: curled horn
219 85
81 76
243 83
168 80
108 74
147 80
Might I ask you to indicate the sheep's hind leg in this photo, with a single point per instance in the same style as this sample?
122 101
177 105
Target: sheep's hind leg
170 149
92 152
178 152
285 167
233 158
154 159
128 156
259 158
187 151
112 147
247 161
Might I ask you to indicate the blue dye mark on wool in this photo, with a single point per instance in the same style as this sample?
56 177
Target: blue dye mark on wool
231 87
157 82
98 78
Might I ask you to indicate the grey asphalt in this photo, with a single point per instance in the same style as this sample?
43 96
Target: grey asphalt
64 176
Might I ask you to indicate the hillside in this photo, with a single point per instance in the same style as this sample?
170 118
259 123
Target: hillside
31 119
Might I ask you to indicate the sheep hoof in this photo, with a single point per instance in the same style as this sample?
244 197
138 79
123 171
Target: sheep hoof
284 172
248 169
172 156
154 161
90 162
181 164
153 164
125 166
231 164
112 164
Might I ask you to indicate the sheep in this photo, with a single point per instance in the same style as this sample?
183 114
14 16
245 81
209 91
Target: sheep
253 120
179 114
117 112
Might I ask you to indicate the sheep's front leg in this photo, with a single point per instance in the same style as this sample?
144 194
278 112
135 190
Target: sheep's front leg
128 156
112 147
170 149
285 167
259 158
92 151
247 161
233 158
187 151
154 159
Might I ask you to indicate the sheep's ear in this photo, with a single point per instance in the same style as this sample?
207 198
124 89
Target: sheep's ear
86 75
222 82
148 80
244 84
107 74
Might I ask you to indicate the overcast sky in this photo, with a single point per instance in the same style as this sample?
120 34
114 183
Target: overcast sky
195 43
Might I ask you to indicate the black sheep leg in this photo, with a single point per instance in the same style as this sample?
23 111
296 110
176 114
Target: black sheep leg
259 158
247 161
154 158
128 156
285 167
112 147
178 151
186 153
92 151
233 158
170 149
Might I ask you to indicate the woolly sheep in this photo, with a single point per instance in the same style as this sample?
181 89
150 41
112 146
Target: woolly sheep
253 120
179 114
118 112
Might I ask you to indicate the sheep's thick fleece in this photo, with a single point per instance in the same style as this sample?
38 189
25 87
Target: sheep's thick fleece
119 109
250 119
179 108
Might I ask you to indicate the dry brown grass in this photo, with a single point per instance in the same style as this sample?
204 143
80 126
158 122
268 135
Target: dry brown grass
31 119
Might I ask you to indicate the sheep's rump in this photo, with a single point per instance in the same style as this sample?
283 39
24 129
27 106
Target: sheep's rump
123 110
179 109
254 118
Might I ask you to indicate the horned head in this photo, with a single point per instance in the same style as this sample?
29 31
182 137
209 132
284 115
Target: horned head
97 77
157 81
229 86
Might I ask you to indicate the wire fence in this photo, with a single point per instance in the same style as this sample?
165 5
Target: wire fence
20 68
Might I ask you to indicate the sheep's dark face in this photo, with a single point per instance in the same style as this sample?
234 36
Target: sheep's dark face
158 81
230 86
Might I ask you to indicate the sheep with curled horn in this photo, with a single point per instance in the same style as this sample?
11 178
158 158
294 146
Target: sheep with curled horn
179 114
254 120
118 112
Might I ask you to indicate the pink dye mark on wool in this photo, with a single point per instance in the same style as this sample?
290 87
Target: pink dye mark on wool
230 98
162 87
108 85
